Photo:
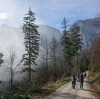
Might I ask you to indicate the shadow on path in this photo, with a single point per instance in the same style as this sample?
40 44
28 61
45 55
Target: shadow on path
91 91
66 96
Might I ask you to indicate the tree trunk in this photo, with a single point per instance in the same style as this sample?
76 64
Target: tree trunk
29 59
11 86
77 64
68 72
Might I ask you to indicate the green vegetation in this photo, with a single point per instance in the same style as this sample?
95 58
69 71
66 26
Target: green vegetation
95 79
35 93
48 88
83 62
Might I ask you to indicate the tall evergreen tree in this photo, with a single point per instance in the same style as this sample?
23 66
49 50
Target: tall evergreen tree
65 41
76 41
31 41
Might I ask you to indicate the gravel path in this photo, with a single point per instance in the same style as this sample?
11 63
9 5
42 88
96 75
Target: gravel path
67 92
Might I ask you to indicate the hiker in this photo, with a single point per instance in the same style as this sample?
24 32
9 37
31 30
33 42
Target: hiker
78 76
73 81
81 81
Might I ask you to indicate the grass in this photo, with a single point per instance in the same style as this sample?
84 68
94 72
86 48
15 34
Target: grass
48 88
38 92
95 79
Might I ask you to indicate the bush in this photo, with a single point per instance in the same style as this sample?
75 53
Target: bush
20 97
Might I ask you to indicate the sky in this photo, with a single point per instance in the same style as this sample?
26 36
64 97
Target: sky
47 12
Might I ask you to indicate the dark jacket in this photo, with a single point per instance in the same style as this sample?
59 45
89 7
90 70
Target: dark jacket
81 78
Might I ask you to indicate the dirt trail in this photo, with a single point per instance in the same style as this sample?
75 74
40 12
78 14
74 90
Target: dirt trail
67 92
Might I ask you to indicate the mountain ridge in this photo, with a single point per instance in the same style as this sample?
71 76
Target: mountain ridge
88 30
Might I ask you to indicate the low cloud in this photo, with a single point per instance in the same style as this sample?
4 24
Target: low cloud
3 15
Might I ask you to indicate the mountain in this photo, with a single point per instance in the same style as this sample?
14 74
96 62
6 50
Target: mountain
48 31
89 29
13 36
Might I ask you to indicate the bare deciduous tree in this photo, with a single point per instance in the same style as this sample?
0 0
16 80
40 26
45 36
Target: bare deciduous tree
12 66
44 53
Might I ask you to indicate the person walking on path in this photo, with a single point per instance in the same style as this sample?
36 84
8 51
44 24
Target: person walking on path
73 81
81 81
78 76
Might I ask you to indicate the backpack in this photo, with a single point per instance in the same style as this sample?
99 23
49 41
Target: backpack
73 78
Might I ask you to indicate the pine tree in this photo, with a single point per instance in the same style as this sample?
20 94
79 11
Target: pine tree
31 41
65 41
76 41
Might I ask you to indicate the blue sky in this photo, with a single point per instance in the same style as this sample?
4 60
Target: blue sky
48 12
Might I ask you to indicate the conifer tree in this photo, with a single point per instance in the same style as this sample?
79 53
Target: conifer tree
31 41
76 41
65 41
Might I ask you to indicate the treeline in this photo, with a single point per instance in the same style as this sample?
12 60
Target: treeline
95 62
71 42
51 67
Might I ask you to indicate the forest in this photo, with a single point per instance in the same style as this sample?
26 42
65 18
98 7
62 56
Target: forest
53 70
